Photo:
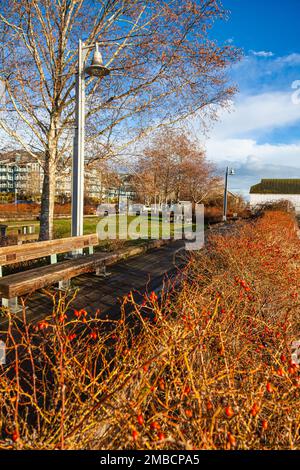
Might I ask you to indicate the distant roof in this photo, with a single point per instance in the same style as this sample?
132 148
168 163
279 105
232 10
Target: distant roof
276 186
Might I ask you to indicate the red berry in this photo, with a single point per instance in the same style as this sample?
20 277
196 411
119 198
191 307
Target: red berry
153 297
140 419
231 439
93 335
43 325
229 411
254 410
161 436
269 387
154 425
135 435
209 405
265 424
161 385
15 436
188 413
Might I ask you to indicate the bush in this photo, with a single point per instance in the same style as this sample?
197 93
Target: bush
11 209
213 215
206 366
278 206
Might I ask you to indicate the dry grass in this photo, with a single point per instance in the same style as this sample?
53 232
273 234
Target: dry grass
207 366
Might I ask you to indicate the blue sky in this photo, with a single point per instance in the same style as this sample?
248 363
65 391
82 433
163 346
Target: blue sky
260 136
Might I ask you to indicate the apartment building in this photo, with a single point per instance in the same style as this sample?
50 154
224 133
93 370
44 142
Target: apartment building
93 186
22 175
124 189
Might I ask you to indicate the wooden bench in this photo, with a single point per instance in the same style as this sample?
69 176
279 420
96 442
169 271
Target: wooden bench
26 282
19 233
24 233
15 285
27 237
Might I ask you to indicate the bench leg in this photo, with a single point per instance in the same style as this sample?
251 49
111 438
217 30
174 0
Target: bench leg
64 285
77 253
101 272
74 254
12 304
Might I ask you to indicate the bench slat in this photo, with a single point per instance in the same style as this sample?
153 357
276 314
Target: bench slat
26 282
19 253
15 285
28 237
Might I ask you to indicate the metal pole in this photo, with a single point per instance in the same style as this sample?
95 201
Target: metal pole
225 195
78 151
15 184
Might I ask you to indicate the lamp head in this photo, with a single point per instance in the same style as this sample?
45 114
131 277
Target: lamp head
97 69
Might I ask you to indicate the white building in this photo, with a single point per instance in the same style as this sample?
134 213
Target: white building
275 190
20 177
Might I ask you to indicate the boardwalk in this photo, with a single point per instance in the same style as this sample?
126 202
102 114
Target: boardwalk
141 273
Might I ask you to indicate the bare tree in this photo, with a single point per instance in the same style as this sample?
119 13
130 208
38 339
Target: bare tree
174 166
164 67
199 177
100 177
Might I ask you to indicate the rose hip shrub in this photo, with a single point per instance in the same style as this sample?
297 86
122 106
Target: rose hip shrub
208 365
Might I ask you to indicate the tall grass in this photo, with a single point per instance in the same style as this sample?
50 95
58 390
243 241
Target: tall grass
206 366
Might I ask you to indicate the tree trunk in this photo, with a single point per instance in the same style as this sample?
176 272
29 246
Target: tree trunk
48 199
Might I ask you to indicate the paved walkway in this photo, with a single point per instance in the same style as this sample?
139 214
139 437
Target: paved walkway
142 273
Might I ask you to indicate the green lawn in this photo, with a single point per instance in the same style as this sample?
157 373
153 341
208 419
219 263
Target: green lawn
62 227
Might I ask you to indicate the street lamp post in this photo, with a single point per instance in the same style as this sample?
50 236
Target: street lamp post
96 69
229 172
15 185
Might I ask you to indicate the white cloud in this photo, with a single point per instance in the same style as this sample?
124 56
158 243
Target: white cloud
235 139
257 114
273 73
262 53
291 59
244 138
248 150
251 170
